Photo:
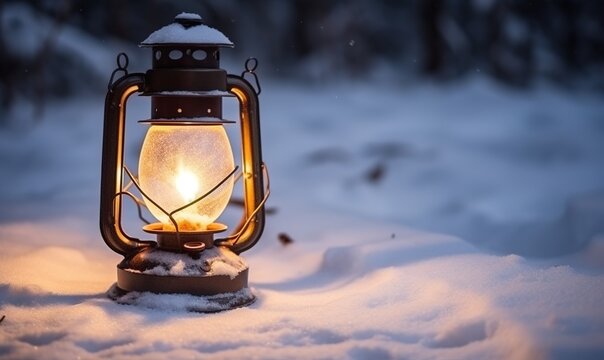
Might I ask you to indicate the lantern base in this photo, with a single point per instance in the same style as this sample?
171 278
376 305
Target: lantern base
171 241
212 281
182 302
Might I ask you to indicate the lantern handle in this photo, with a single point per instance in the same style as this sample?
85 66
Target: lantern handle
121 58
251 64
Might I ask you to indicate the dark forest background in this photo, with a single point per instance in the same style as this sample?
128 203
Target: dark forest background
518 43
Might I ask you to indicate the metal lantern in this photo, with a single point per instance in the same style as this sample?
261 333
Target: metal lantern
186 170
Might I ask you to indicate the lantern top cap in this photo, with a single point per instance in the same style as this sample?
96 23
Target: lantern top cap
187 28
188 16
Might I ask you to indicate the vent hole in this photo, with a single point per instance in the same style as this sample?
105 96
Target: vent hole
199 55
175 54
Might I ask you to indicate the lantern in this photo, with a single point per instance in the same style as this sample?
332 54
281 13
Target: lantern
186 170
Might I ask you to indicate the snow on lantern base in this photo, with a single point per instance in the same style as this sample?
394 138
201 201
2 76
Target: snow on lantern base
182 302
212 280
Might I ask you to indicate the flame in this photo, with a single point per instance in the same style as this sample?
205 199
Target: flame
187 185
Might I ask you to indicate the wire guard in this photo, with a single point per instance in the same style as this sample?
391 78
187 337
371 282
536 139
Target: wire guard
139 203
227 241
251 64
234 239
122 65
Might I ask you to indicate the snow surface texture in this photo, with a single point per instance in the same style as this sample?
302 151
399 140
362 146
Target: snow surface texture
177 34
506 187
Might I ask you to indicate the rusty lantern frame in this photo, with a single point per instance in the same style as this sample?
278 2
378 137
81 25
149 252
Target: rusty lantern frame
183 92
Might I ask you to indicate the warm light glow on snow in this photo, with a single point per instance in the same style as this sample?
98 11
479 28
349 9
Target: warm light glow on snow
359 280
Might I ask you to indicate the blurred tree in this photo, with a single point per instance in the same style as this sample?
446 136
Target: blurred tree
430 12
514 41
23 65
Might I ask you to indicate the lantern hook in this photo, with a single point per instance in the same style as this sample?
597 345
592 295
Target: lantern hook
251 64
122 65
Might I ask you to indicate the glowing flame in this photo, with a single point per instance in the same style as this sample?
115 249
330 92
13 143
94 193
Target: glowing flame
187 185
199 158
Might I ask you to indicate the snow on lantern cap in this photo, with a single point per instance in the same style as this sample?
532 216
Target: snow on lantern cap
187 28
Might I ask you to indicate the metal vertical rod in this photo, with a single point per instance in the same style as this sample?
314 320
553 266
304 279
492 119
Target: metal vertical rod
112 164
251 162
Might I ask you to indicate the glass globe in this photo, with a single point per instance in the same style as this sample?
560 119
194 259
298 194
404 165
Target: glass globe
180 163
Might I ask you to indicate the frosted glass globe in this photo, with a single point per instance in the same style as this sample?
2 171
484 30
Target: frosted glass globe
180 163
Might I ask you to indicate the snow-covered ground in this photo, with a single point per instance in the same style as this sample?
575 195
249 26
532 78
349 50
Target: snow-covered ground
430 221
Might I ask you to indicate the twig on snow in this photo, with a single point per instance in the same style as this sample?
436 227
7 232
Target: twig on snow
285 239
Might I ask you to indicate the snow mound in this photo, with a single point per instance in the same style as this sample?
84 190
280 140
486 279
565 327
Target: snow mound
355 280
